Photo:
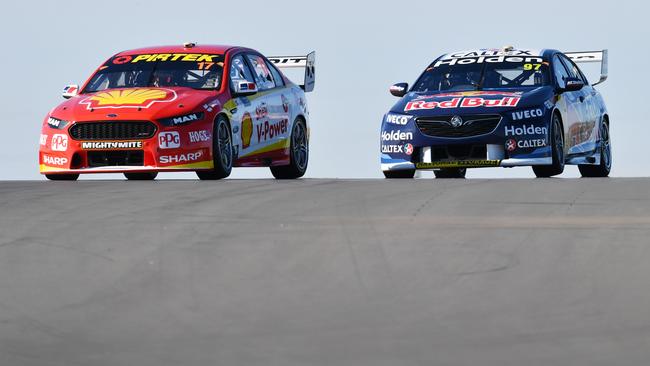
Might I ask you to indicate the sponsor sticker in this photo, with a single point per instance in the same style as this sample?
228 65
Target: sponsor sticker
187 118
532 113
525 130
164 57
169 140
268 130
129 98
261 111
512 144
111 145
181 158
396 136
59 142
458 164
54 160
467 102
199 136
43 140
55 123
408 149
397 119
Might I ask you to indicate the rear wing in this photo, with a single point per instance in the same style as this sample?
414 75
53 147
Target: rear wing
591 56
307 62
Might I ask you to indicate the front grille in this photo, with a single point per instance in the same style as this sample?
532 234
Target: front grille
113 130
458 152
116 158
473 125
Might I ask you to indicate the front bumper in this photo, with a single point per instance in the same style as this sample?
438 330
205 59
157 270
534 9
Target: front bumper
504 143
397 164
186 148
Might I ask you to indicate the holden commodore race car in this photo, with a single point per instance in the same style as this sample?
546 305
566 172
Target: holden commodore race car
182 108
499 107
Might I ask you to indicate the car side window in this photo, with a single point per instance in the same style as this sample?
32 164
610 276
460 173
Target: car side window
279 81
262 73
574 71
561 74
239 71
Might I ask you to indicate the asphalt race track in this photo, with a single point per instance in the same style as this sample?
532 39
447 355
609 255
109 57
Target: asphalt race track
325 272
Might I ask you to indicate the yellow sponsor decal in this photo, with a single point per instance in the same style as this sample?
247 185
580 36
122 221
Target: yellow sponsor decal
458 164
155 57
129 98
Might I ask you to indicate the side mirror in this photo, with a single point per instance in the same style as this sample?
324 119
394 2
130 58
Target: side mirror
70 91
399 89
243 88
573 84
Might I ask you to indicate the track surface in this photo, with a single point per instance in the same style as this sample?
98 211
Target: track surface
325 272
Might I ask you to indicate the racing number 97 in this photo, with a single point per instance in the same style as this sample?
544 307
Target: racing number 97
529 67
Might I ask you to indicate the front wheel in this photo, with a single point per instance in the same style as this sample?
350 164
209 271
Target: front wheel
557 152
62 176
221 151
141 176
399 174
446 173
299 154
601 170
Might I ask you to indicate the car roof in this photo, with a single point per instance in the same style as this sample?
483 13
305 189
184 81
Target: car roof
505 51
197 48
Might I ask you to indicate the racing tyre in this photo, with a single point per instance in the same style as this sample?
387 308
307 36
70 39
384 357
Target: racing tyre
141 176
299 154
396 174
450 173
557 146
221 151
602 169
62 176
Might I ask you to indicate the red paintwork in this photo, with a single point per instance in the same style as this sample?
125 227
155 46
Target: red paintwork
187 101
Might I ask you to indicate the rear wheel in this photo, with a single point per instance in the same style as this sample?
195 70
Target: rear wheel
397 174
141 176
602 169
450 173
557 149
299 154
221 151
62 176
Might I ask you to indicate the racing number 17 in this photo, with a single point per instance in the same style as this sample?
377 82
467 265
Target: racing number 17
205 65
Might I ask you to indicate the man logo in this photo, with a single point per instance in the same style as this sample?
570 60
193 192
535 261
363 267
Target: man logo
456 121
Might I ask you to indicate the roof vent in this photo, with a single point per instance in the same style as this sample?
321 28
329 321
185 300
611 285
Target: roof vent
189 44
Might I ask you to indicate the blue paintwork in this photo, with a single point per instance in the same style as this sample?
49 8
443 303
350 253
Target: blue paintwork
581 120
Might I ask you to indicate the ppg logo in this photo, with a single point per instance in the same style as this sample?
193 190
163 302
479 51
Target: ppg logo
169 140
59 142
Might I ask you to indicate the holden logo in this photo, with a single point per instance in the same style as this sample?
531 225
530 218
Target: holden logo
456 121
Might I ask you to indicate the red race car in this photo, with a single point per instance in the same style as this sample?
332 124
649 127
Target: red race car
182 108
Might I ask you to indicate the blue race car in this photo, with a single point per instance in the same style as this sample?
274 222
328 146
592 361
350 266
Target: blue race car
499 107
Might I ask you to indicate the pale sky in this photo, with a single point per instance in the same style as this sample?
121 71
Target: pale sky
361 49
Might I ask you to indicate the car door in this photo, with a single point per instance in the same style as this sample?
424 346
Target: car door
585 136
569 105
272 117
243 108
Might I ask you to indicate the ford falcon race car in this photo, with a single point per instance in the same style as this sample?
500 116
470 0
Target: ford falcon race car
182 108
499 107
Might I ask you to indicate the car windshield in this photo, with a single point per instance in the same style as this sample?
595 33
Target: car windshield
445 76
192 70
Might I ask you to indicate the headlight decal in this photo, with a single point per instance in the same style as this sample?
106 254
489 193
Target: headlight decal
182 120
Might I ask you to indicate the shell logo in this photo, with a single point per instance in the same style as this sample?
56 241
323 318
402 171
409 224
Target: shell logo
246 130
129 98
